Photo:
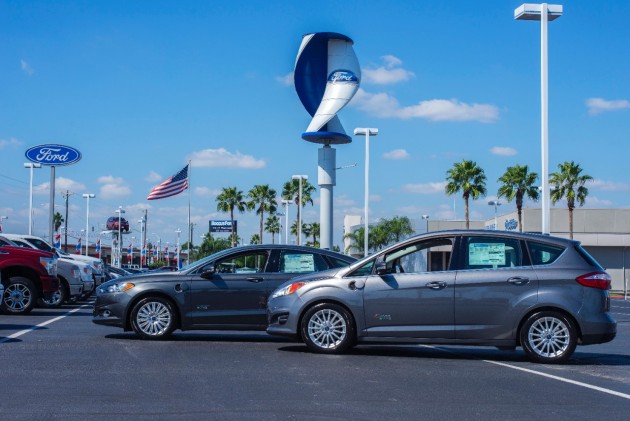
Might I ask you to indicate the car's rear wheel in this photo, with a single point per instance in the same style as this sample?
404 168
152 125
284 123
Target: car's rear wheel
548 337
328 328
153 318
20 296
58 298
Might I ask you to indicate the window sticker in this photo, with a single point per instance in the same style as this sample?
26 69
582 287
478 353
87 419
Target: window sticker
299 263
486 254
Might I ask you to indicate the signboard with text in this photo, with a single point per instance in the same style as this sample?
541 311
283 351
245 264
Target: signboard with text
223 226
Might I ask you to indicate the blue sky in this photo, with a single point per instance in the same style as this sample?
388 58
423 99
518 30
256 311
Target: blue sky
141 87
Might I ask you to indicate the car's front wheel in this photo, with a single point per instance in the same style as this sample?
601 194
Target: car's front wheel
548 337
328 328
153 318
20 296
58 298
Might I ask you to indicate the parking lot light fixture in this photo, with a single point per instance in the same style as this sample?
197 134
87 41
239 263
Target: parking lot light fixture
496 204
426 218
87 196
286 204
543 12
31 165
119 211
367 132
2 218
299 177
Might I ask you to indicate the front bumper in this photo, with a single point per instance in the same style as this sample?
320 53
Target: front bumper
282 316
109 310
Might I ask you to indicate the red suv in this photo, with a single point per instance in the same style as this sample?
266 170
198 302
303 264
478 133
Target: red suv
112 224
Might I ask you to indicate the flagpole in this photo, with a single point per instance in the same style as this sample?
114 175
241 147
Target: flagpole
189 233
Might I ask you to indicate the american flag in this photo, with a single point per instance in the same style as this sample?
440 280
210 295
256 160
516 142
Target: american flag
171 186
78 248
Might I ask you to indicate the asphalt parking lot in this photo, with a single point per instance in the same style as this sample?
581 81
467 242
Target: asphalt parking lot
56 364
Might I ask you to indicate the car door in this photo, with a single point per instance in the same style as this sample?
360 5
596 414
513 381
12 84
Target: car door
413 298
494 288
236 293
292 262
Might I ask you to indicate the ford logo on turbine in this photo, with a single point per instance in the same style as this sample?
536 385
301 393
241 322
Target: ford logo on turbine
343 76
53 155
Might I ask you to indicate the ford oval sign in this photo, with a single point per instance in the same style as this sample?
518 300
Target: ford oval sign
53 155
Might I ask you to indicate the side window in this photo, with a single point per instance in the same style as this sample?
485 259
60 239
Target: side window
301 262
491 253
253 262
365 270
543 254
426 256
337 263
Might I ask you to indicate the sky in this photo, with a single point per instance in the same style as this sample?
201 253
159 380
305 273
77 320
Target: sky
142 87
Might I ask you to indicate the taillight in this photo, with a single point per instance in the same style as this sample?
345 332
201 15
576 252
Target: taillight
599 280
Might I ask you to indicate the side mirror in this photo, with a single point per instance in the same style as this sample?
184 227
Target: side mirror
381 268
208 272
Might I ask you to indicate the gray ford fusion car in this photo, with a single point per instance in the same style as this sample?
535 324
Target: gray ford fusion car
227 290
462 287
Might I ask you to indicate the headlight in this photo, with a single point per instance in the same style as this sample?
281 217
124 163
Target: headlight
288 290
115 288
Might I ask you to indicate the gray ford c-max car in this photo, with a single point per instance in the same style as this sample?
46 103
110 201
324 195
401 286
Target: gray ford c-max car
463 287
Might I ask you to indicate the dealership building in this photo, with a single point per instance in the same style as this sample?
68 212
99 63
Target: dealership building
604 233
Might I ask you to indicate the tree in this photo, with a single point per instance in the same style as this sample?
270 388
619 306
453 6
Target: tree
272 226
357 240
569 184
291 191
262 198
254 239
399 227
294 228
469 178
228 200
518 183
57 221
314 232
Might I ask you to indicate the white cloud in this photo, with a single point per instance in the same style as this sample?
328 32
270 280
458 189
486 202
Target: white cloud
113 187
503 150
153 177
26 68
286 80
594 202
386 106
396 154
343 200
222 158
599 105
425 188
61 184
206 192
612 186
388 74
9 142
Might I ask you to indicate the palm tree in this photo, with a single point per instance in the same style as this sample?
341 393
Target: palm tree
469 178
57 221
291 191
272 226
398 227
569 184
314 232
518 183
294 228
229 199
357 240
262 198
255 239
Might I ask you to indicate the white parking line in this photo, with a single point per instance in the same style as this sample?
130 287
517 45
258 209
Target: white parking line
47 322
562 379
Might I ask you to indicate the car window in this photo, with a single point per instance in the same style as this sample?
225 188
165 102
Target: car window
363 270
301 262
4 243
431 255
491 253
252 262
543 254
22 244
40 244
337 263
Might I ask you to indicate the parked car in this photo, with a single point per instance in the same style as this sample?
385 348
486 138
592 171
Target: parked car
227 290
463 287
26 276
113 221
68 271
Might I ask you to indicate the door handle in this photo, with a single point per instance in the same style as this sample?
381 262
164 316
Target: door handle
255 280
436 285
518 280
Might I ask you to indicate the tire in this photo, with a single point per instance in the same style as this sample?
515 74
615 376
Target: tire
548 337
20 296
60 297
328 329
153 318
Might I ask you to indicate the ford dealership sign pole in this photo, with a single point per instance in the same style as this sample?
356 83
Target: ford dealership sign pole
326 77
52 155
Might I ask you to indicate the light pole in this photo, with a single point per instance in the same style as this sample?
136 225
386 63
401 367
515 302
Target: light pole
367 132
119 211
543 12
2 218
286 204
87 196
496 204
280 230
426 218
31 165
177 254
142 251
300 177
159 245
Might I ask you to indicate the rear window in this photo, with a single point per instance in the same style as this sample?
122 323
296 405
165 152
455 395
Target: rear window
543 254
301 262
587 257
40 244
